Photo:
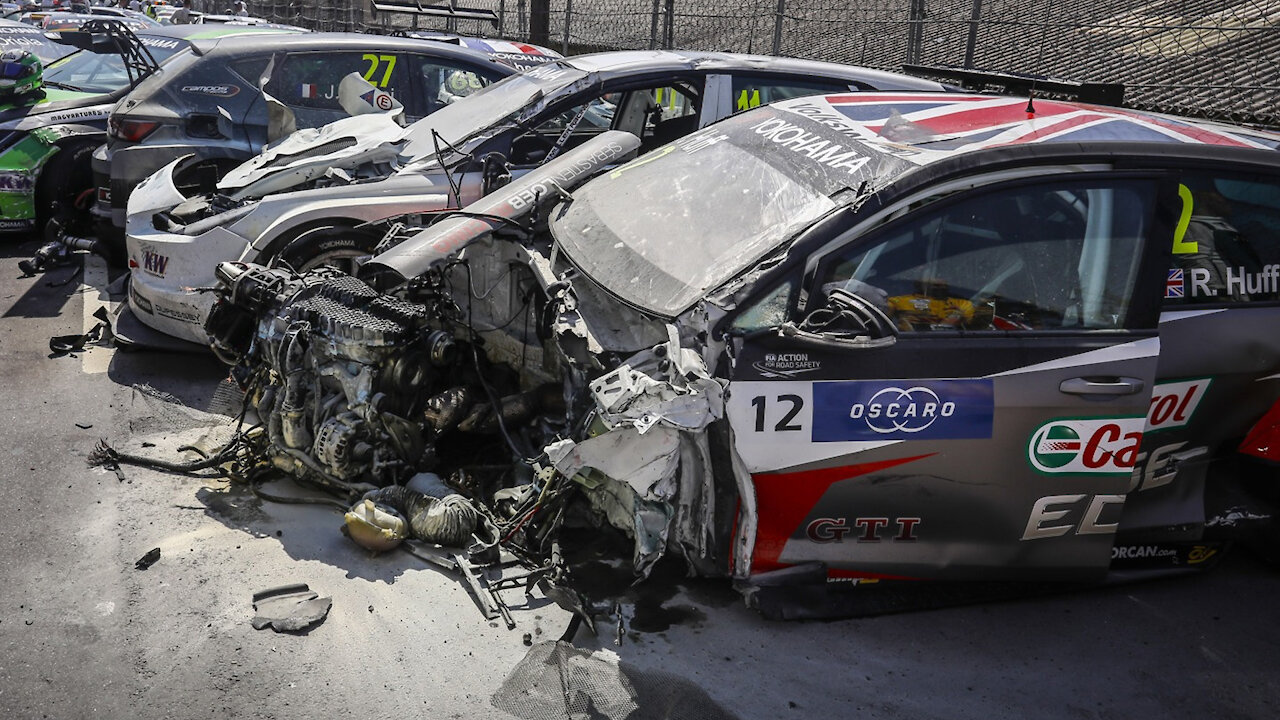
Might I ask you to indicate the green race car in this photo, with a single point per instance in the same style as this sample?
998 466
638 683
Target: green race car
54 108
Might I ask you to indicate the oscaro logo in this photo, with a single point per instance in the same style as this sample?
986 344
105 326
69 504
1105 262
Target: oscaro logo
1091 445
898 410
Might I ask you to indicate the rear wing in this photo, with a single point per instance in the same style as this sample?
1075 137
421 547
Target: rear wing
112 37
1022 84
449 10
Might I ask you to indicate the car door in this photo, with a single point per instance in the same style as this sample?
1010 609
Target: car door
995 435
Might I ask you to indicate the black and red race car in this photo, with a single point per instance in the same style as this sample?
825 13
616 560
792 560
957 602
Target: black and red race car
858 340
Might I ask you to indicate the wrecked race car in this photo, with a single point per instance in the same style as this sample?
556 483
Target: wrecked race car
839 343
328 195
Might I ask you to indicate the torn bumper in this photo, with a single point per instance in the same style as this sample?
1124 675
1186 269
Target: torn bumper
170 270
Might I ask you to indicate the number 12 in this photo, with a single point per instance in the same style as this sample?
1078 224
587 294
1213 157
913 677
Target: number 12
784 425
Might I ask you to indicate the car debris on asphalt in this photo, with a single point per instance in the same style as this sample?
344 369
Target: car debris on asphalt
289 608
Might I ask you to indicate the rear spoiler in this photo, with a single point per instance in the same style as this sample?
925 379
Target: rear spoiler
1021 84
446 10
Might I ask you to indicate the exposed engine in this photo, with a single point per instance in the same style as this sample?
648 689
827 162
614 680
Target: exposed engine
354 387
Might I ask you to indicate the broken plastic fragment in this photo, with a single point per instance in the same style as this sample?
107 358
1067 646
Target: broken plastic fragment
289 608
148 560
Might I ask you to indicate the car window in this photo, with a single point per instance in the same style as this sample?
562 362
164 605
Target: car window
308 82
656 115
1226 247
1018 258
445 83
754 90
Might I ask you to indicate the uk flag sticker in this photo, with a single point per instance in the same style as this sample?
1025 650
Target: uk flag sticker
1173 286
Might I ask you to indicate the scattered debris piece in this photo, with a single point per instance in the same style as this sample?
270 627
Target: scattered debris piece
84 426
101 333
148 560
289 608
557 680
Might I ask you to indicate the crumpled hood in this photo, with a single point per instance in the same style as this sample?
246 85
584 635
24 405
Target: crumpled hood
308 154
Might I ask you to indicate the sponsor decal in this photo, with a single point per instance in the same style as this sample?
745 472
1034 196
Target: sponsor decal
1099 446
1131 552
825 116
778 365
1236 282
1173 284
1056 515
214 90
104 195
545 72
1200 554
863 529
156 42
154 263
137 301
1174 403
812 145
16 182
909 410
378 99
530 195
700 140
17 224
186 317
1164 555
76 115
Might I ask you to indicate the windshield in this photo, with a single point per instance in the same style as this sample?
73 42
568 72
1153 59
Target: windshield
15 36
517 95
663 230
105 72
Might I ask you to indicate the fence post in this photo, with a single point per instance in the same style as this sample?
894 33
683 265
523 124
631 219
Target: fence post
540 22
568 11
974 18
777 26
915 31
669 32
653 26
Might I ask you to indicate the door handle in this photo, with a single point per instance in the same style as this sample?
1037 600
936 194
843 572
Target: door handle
1102 386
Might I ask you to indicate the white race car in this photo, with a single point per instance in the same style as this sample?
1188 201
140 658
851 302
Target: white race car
328 195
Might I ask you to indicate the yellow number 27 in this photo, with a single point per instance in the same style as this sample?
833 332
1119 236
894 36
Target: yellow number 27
374 62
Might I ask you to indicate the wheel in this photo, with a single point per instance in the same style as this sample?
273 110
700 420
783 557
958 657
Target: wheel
63 181
332 246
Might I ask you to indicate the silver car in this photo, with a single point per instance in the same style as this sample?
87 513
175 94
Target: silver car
208 103
322 194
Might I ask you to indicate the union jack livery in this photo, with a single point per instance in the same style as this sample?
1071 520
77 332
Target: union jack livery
959 123
1173 287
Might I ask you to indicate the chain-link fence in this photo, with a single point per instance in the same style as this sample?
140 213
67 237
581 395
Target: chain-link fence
1209 58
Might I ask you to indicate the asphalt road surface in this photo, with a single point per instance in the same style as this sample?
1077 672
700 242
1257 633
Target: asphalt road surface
83 633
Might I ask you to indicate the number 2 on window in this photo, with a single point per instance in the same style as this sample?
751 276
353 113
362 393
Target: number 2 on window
374 62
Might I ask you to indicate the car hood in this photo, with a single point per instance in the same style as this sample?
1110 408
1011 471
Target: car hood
54 102
308 154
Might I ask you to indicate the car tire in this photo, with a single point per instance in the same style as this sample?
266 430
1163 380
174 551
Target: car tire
62 181
333 246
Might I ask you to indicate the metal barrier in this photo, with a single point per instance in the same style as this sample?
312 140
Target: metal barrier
1208 58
